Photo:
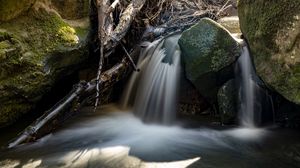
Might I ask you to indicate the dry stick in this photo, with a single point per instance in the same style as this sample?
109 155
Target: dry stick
223 7
101 4
113 6
129 58
126 19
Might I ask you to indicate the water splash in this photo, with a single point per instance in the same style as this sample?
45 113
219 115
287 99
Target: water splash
152 91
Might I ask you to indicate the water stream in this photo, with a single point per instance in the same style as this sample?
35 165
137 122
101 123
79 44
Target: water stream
152 91
246 113
116 138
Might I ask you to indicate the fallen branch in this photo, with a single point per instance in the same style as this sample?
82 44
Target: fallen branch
83 90
101 9
126 19
108 38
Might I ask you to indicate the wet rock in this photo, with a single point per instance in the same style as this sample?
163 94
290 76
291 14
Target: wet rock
37 48
273 30
208 53
227 102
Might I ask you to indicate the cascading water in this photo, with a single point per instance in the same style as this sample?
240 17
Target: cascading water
152 91
247 86
115 138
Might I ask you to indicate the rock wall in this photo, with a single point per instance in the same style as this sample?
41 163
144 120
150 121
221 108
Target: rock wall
272 29
37 47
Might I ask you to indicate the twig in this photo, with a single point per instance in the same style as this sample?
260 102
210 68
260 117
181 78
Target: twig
129 58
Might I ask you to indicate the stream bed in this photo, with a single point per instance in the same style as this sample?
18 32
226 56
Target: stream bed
116 138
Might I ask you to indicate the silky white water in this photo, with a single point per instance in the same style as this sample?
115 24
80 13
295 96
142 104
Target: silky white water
116 138
152 92
247 93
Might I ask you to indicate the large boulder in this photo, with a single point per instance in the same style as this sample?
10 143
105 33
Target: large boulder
272 29
208 53
37 48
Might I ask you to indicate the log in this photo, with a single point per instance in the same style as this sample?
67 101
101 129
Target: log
82 91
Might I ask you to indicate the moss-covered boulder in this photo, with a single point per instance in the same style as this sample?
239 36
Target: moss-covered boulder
36 49
227 102
272 29
208 53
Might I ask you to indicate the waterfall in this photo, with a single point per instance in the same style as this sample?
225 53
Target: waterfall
247 86
152 91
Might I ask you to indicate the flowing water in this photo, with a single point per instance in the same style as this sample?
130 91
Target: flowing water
246 114
152 91
115 138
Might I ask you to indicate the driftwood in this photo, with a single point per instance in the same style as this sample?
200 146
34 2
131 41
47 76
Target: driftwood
108 37
83 90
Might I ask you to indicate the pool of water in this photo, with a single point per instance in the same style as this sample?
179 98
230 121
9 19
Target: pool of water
116 138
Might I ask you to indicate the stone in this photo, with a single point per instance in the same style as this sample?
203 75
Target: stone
227 102
10 9
37 48
272 30
209 53
232 24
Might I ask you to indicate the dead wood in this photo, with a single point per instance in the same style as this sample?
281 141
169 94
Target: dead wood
70 104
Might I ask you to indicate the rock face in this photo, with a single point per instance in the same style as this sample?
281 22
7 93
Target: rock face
37 47
227 102
273 32
13 8
71 9
208 54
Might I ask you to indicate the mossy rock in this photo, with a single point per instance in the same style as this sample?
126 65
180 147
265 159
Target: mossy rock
208 53
273 32
10 9
36 49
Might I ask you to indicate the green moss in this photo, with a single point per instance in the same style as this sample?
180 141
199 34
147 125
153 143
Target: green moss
26 43
207 47
266 24
208 51
67 34
10 9
12 110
